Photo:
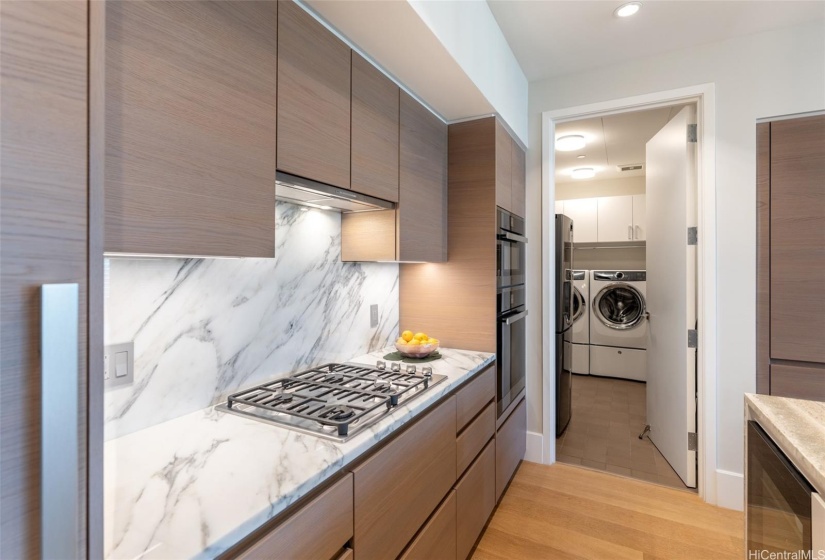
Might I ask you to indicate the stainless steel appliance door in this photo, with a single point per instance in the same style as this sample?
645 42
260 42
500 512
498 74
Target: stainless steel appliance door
779 500
564 273
564 381
511 361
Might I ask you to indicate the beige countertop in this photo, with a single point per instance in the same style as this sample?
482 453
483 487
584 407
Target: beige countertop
798 428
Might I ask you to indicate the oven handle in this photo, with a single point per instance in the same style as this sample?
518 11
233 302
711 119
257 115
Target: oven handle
510 319
512 237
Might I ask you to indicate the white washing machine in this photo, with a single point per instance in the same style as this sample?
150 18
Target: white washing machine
618 324
581 322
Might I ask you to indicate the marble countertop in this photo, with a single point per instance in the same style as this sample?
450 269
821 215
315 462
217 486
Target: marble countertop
798 428
194 486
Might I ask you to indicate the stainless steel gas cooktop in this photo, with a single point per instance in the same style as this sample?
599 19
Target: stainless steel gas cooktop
334 401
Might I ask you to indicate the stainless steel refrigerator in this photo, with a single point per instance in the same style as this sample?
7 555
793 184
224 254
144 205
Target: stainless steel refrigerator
564 322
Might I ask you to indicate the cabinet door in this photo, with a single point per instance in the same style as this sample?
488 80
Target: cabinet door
475 500
504 175
583 212
639 221
375 101
313 99
436 540
422 200
615 218
190 115
511 444
519 180
398 488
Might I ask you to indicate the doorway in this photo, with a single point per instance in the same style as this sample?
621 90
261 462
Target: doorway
621 396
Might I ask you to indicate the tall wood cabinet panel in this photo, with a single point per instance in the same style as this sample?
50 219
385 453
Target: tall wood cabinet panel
504 172
422 204
314 93
790 257
461 310
45 231
190 126
518 169
375 114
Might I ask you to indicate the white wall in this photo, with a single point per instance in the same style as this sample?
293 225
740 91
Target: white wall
767 74
595 188
471 34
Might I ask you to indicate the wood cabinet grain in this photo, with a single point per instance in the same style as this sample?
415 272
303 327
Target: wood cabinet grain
472 440
472 397
320 529
314 96
368 236
798 381
518 172
797 234
475 500
422 201
436 540
190 126
398 487
504 174
511 444
763 258
375 114
46 233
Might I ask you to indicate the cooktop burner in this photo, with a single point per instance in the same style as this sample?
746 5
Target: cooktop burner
334 400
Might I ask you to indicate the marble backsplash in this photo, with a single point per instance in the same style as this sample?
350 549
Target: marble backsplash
204 328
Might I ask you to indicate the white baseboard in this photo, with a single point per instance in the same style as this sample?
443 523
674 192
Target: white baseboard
730 490
535 446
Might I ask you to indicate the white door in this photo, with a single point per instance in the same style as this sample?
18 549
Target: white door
671 292
583 213
615 218
639 212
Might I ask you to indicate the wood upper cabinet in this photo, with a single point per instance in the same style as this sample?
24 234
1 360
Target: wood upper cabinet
422 204
189 119
314 96
375 114
398 487
504 173
518 171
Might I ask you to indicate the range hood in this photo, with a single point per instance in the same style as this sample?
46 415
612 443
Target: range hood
306 192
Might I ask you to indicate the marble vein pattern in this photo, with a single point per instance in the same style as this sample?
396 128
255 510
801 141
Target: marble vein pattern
203 328
798 427
194 486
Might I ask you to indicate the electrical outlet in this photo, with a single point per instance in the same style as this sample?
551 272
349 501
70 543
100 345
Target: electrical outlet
119 364
374 315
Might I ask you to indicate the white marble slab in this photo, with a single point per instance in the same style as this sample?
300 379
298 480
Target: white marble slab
203 328
194 486
798 428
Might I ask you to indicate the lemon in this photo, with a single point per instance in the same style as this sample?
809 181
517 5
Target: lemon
407 336
414 342
401 341
433 341
421 336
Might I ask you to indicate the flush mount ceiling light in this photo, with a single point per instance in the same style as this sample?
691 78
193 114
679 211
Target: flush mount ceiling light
627 10
583 173
580 156
570 142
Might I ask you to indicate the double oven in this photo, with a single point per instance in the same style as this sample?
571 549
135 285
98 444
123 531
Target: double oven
510 307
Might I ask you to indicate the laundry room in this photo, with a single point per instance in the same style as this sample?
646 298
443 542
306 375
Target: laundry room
625 283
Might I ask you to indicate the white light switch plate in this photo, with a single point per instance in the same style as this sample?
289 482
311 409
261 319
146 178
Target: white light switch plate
118 364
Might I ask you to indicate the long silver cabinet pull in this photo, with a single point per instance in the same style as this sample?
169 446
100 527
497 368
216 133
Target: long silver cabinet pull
59 483
630 232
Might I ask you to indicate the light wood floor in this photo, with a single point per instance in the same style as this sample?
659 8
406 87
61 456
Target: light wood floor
563 511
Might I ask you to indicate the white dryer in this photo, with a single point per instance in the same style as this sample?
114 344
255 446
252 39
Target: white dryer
581 322
618 324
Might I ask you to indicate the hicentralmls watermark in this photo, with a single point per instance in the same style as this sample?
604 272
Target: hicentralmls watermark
785 555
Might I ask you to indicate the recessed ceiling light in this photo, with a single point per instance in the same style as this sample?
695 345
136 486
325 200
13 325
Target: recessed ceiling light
580 156
627 10
583 173
570 143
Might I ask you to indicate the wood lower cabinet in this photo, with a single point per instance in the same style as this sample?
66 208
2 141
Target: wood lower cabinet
471 398
790 257
473 438
189 119
375 114
475 500
437 539
320 529
398 487
314 98
511 445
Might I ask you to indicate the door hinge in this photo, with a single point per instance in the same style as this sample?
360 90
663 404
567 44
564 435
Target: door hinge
693 338
692 133
692 441
693 235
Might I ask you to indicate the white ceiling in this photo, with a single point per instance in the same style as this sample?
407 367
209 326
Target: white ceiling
611 141
553 38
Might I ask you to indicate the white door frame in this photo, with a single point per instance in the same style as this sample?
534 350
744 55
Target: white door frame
703 95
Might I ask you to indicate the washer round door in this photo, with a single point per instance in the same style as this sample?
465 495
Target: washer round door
579 304
619 306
